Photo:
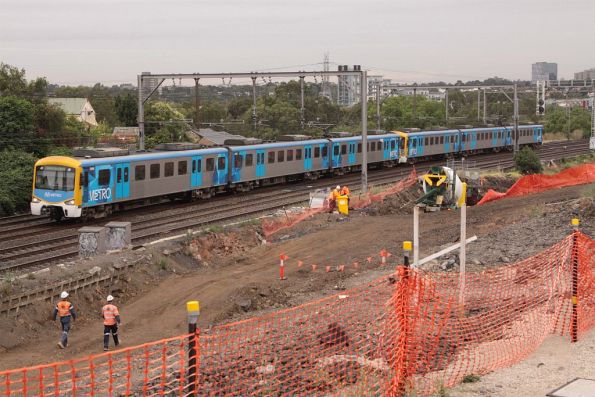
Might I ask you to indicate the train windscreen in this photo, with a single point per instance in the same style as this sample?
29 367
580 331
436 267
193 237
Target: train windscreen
54 177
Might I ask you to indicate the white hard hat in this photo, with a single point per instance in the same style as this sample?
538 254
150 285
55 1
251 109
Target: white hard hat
110 298
338 187
64 295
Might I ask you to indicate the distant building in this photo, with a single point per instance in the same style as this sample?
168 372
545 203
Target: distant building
588 74
541 71
349 90
78 108
209 137
150 84
126 134
373 82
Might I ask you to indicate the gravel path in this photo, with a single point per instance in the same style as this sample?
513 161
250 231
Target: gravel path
556 362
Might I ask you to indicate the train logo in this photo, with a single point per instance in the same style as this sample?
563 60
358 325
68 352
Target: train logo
100 195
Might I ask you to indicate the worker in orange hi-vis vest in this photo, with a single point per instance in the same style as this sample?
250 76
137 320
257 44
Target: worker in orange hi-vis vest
345 192
111 320
65 310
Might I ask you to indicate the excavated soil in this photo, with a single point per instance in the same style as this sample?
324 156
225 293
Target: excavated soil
235 275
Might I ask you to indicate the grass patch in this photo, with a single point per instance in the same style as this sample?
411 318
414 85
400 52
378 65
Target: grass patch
472 378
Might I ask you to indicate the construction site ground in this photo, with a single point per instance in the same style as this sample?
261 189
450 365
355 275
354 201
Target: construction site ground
235 276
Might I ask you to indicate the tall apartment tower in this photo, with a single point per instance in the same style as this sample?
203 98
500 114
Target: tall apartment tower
348 87
541 71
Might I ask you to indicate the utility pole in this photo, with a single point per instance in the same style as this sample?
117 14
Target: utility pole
302 115
446 101
516 120
196 105
364 104
592 140
141 113
378 105
485 105
414 104
254 122
478 103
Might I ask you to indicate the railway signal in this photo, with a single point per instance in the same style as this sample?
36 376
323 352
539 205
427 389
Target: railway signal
540 107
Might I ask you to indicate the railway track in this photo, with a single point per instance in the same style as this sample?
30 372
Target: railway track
29 241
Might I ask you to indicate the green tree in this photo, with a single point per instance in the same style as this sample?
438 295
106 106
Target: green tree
164 124
17 123
527 161
212 112
16 173
238 106
126 109
13 83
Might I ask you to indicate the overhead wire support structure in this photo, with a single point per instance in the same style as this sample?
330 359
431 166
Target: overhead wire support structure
161 77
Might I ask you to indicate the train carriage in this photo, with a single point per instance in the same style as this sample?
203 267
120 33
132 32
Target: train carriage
347 152
266 163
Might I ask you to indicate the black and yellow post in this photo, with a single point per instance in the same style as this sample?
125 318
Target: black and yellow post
407 247
574 319
193 309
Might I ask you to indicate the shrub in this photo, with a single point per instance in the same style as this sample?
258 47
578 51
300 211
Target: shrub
527 161
16 173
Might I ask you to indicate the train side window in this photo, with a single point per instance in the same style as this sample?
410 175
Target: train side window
139 173
426 140
281 156
119 175
392 145
168 169
414 142
343 149
441 139
317 151
221 163
155 171
359 147
298 154
249 159
237 160
182 167
290 155
210 164
324 151
104 177
271 157
199 165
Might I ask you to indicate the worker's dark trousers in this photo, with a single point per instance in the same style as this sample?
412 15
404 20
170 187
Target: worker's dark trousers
65 321
106 331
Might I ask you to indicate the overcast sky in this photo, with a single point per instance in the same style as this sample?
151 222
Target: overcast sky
111 41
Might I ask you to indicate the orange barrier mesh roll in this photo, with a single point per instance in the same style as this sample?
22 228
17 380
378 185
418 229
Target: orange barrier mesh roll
412 331
530 184
271 226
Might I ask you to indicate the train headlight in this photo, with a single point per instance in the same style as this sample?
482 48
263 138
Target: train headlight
35 200
69 202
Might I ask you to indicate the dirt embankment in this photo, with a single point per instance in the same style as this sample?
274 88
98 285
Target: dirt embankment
235 276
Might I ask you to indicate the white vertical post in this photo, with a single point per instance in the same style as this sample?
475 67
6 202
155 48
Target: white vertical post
364 105
141 113
463 253
415 235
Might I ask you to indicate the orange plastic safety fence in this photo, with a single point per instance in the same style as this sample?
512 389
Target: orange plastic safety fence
411 331
271 226
364 201
530 184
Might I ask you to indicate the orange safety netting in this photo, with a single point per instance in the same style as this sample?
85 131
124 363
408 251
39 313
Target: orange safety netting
271 226
411 331
530 184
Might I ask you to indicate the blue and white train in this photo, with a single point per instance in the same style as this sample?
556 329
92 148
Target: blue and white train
73 187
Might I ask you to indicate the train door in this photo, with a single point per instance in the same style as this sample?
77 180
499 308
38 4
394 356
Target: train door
308 157
260 163
412 147
220 175
536 134
351 152
336 155
100 184
122 181
508 137
196 175
385 149
473 143
324 155
236 166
